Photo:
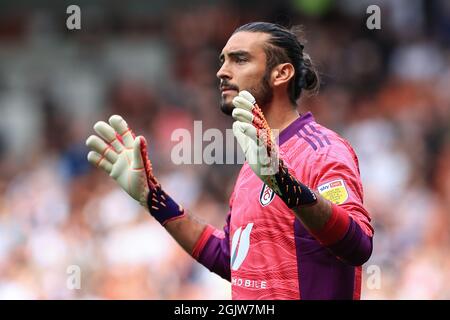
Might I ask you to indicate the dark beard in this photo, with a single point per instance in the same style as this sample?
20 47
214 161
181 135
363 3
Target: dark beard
263 95
226 108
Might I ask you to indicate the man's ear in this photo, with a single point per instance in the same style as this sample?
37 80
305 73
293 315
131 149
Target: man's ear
282 74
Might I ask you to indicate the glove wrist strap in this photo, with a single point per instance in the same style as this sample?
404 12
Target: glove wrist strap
162 207
291 191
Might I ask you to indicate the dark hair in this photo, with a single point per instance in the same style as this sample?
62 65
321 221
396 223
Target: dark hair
284 46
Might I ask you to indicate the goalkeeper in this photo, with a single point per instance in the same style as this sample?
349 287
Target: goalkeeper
297 227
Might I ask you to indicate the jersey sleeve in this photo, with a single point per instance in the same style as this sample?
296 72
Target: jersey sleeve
337 179
348 233
212 249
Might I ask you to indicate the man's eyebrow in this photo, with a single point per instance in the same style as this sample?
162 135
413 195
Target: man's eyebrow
233 54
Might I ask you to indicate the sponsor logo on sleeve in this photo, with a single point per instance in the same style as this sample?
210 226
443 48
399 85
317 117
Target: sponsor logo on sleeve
334 191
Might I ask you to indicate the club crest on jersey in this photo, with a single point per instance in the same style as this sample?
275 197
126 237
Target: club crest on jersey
266 195
335 191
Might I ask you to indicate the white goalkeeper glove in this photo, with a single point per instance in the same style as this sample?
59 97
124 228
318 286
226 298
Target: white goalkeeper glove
255 138
258 144
124 157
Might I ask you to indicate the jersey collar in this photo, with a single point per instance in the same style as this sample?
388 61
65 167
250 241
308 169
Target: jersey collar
294 127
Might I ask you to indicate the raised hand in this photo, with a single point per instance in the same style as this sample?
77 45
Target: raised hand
257 141
255 138
123 156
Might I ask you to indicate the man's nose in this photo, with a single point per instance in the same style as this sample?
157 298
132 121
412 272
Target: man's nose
223 73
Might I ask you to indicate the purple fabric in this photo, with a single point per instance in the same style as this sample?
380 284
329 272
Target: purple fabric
324 136
356 246
216 253
307 140
313 135
321 274
294 127
162 207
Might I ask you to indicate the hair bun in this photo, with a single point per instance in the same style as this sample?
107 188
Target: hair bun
309 79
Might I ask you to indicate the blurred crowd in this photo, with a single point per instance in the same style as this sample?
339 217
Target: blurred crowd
386 91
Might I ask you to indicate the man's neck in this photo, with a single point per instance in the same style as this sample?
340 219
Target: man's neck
280 115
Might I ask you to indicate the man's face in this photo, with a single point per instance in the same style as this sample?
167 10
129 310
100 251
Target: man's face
243 67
